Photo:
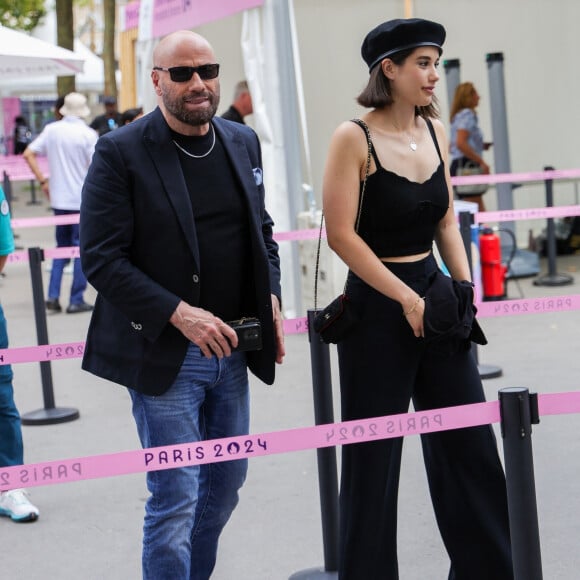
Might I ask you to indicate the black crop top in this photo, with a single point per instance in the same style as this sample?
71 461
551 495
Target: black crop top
399 217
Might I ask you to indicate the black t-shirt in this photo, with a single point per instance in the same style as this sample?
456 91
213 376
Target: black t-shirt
222 226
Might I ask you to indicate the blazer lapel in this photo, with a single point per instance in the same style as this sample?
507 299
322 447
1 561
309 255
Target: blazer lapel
237 151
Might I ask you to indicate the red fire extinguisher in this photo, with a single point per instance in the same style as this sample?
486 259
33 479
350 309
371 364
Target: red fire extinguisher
493 272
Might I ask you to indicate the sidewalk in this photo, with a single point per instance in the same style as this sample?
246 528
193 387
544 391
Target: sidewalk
92 529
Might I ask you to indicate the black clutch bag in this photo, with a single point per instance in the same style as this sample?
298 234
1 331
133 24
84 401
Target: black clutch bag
249 333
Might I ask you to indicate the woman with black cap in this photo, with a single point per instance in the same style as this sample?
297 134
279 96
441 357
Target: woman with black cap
394 354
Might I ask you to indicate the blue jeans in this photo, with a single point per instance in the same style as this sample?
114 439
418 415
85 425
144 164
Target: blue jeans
67 236
11 450
189 506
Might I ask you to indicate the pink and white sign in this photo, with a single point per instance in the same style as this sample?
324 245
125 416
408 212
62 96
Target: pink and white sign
166 16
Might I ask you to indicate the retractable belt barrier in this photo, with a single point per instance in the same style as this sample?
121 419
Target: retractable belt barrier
271 443
49 352
296 439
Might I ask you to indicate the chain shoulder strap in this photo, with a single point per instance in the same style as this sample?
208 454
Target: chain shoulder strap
365 128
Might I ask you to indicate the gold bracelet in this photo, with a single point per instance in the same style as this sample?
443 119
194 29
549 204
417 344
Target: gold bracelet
413 308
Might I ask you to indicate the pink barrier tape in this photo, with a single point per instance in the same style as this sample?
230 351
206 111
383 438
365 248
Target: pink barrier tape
311 234
559 403
528 306
18 170
275 442
535 213
21 256
308 234
300 326
296 325
69 252
42 352
55 220
517 177
244 447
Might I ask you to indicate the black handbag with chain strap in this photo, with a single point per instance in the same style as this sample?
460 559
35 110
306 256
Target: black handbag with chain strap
335 322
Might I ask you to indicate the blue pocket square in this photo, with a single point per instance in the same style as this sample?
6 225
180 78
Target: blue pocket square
257 171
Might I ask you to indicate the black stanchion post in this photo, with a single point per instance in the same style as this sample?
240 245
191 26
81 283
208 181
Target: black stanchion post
33 200
50 414
327 470
7 187
465 224
552 278
519 410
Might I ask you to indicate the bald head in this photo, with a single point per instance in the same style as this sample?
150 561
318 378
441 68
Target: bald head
178 45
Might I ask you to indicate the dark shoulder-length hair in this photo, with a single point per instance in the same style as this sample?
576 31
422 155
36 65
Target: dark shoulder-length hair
377 94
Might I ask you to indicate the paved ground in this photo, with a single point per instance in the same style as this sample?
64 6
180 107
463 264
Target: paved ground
92 529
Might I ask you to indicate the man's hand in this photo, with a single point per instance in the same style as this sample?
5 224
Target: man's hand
210 333
278 330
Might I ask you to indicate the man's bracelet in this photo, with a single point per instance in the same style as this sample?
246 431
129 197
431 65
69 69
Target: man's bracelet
43 181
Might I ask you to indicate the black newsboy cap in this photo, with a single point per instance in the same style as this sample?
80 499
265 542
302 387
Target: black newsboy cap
400 34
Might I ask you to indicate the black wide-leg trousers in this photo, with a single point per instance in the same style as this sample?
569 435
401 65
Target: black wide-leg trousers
383 366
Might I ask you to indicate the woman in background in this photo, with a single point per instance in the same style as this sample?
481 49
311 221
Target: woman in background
467 144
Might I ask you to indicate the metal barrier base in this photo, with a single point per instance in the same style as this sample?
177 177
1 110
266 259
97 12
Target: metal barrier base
553 280
314 574
489 371
50 416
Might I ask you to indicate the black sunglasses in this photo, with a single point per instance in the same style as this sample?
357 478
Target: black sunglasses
182 74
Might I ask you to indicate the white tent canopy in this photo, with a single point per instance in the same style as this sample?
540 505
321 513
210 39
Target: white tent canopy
23 56
91 79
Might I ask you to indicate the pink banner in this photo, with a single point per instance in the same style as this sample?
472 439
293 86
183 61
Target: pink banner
10 109
172 15
131 16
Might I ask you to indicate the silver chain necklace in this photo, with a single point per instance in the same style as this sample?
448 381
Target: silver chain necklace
197 156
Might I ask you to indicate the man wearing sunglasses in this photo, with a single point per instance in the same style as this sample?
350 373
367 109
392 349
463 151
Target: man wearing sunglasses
177 241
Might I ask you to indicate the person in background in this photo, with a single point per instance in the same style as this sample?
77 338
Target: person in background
22 135
110 119
130 115
56 116
466 143
58 105
14 503
176 240
242 105
391 357
69 146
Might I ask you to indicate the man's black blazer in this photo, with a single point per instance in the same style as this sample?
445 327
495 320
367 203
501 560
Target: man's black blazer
139 250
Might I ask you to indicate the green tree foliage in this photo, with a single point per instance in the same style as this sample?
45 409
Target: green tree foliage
22 14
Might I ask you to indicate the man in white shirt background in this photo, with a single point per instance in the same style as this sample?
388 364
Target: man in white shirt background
68 144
